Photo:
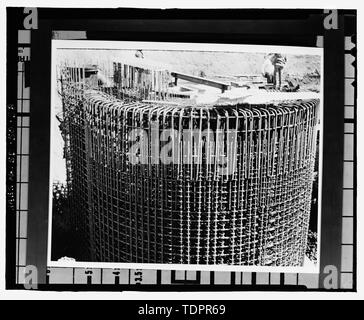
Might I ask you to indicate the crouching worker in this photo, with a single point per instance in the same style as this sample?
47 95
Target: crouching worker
268 68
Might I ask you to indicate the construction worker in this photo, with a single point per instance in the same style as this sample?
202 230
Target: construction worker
139 54
272 68
279 62
268 68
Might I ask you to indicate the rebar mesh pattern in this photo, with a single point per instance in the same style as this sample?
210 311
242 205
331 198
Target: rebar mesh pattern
180 206
141 82
73 132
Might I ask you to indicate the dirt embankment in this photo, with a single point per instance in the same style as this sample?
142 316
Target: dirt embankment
303 69
307 82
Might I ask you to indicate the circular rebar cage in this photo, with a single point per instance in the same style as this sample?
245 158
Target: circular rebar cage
169 183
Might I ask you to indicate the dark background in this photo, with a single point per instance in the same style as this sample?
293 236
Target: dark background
263 27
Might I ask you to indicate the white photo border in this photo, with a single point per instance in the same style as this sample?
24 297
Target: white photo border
172 46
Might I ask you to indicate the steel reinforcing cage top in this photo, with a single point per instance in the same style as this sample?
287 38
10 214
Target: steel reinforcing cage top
154 177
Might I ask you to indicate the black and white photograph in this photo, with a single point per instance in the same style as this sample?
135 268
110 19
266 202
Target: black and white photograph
194 152
181 155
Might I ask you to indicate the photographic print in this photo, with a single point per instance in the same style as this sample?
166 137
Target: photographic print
185 156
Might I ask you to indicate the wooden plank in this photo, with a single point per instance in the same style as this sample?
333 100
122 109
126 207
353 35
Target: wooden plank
208 82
